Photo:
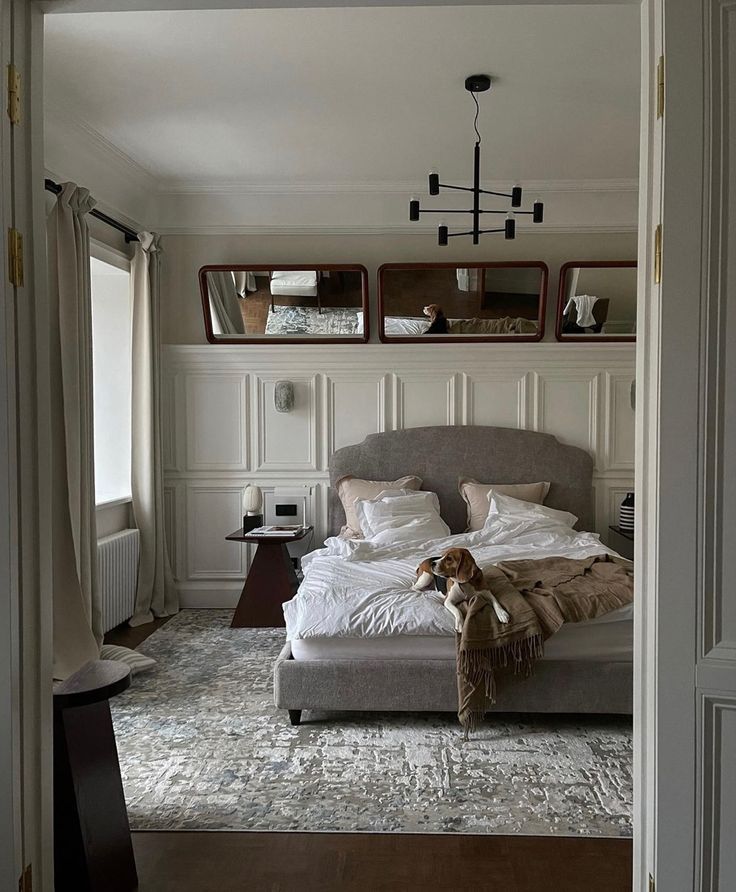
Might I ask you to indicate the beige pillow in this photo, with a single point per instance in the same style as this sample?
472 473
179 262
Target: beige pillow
476 497
350 489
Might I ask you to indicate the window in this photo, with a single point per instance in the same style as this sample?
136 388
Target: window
112 374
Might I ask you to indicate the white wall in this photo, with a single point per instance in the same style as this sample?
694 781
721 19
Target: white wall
221 430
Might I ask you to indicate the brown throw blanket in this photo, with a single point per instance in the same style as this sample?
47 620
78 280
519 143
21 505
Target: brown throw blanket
540 597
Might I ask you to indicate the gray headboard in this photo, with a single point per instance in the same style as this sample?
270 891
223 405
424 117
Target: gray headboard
439 455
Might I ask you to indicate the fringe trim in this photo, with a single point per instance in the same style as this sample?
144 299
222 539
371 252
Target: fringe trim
474 664
476 669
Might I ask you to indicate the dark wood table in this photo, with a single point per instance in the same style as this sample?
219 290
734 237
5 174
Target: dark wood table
270 582
92 846
622 541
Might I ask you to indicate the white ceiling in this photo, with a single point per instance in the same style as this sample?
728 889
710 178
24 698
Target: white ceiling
354 96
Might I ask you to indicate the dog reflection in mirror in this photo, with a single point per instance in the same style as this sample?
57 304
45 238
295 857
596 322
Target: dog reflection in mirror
437 321
464 579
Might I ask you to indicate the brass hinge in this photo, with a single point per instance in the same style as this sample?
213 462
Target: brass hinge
651 883
13 94
15 257
25 883
660 87
658 254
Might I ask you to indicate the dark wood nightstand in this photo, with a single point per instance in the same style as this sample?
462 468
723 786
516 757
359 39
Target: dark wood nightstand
270 582
622 541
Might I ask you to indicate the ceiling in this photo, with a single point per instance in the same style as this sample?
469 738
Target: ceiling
354 96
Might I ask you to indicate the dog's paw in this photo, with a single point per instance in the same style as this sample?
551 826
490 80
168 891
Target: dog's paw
503 616
458 626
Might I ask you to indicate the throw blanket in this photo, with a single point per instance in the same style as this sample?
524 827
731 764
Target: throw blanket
504 325
540 596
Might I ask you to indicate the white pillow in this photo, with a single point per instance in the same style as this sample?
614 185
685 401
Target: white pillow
401 516
505 507
137 661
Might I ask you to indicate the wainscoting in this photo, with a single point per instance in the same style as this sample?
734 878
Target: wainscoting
221 430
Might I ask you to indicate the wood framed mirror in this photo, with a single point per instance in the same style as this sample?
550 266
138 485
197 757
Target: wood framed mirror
453 302
285 303
596 301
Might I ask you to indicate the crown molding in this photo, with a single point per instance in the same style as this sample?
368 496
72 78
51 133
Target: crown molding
234 187
380 229
59 115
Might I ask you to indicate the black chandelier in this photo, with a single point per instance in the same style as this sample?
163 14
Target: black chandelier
476 83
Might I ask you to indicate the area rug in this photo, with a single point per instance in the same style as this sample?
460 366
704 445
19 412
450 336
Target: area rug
308 320
202 747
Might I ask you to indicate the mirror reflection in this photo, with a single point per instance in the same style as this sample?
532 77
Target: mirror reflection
597 299
253 302
475 302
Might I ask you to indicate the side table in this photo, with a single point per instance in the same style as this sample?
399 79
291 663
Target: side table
622 541
270 582
93 851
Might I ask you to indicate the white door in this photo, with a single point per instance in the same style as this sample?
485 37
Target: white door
25 602
686 675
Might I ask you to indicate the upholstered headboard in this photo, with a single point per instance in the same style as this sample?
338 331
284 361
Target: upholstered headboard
439 455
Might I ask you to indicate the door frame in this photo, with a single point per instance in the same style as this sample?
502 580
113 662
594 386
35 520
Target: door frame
667 373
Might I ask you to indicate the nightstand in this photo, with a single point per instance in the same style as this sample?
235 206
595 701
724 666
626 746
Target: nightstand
622 541
270 582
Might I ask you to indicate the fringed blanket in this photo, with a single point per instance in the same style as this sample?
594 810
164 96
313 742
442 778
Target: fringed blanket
540 597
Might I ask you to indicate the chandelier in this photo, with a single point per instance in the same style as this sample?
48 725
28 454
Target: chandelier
476 83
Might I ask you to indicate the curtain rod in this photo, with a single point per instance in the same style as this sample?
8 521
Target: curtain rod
130 235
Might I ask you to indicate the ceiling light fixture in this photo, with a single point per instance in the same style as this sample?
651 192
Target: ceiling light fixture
476 83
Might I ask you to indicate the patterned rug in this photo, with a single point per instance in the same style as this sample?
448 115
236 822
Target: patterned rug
307 320
202 747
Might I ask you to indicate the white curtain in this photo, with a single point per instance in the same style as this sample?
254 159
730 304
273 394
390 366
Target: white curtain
76 608
245 281
156 594
224 302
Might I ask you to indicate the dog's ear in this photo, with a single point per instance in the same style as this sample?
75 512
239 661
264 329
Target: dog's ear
466 566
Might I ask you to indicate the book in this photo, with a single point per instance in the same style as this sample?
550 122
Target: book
281 531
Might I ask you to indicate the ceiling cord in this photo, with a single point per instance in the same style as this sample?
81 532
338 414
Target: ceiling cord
475 120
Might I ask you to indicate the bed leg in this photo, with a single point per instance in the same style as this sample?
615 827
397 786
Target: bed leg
295 716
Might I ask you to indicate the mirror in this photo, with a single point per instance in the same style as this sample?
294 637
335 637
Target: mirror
296 302
597 301
471 301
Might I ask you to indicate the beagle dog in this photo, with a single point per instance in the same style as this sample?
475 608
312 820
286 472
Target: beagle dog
465 578
437 321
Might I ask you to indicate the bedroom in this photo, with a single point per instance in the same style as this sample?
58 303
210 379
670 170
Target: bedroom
222 422
224 204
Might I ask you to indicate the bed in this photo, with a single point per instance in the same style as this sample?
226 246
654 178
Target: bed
418 325
405 660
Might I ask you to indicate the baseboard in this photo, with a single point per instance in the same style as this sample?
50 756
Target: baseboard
208 598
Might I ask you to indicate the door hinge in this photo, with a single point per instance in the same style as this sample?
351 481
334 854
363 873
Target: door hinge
25 883
13 94
15 257
660 87
651 883
658 254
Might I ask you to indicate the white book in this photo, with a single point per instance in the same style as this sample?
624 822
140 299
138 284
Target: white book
287 530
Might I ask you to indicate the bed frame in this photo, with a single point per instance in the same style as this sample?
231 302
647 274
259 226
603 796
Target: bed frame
439 455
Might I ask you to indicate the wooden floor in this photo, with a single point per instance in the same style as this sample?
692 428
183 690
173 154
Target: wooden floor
360 862
191 861
132 636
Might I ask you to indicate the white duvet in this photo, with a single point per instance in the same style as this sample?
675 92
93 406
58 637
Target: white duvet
356 588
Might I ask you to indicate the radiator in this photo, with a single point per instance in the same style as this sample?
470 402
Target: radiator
117 575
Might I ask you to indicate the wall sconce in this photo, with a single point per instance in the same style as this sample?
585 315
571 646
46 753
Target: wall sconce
283 396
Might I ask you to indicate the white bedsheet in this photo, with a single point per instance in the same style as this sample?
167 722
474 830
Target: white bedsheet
607 639
357 589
